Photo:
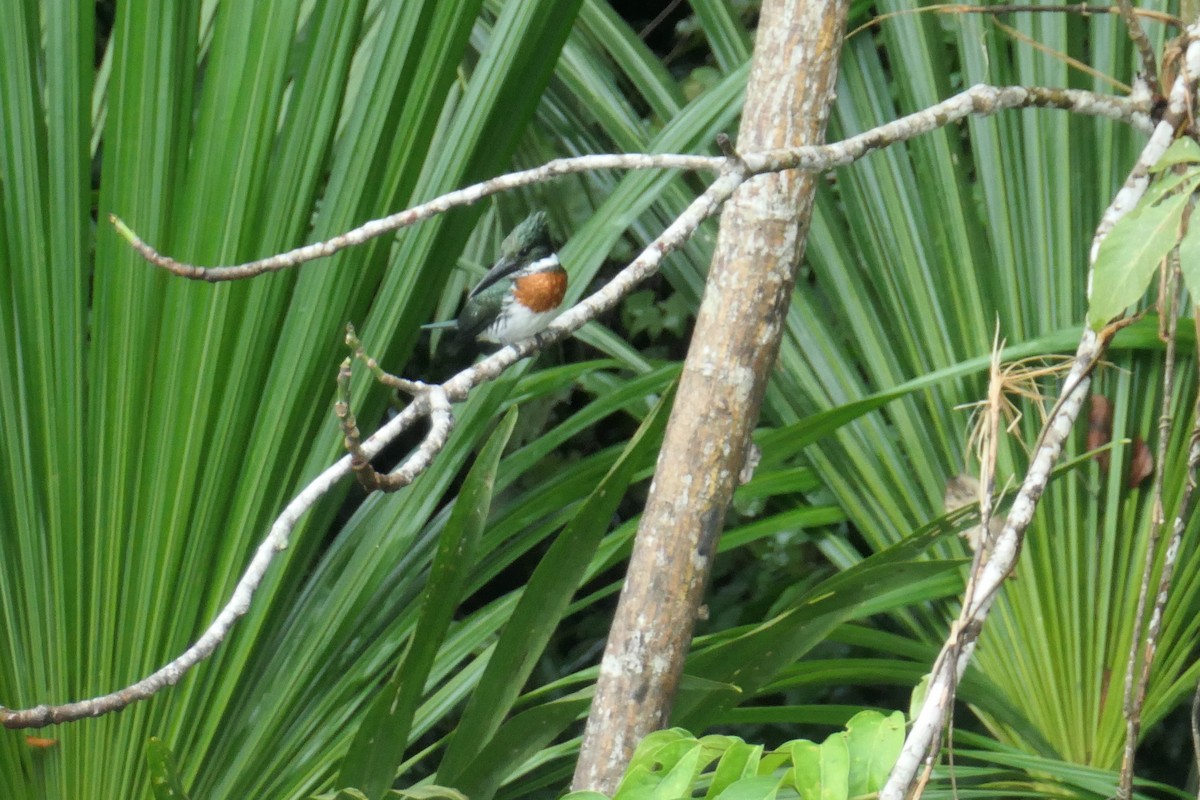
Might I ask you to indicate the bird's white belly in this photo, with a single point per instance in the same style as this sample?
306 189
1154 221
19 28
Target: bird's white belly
517 323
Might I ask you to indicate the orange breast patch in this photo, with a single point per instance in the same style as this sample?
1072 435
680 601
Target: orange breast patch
542 291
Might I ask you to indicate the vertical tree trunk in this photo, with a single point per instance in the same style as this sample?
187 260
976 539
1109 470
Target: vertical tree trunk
724 378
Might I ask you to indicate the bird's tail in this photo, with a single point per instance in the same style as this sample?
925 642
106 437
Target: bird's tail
452 353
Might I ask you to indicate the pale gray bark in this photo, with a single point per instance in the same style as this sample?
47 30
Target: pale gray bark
729 362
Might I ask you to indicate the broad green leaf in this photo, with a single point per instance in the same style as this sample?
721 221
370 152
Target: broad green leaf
719 743
1166 186
1189 257
638 783
1182 151
681 764
378 748
428 792
752 787
657 753
739 761
1131 253
774 760
165 781
874 743
822 771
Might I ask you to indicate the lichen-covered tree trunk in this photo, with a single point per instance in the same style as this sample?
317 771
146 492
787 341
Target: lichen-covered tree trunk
725 375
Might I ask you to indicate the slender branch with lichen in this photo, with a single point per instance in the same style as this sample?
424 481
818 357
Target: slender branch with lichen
980 100
732 171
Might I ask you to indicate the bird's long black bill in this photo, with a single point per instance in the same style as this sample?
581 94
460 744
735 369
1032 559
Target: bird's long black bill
501 269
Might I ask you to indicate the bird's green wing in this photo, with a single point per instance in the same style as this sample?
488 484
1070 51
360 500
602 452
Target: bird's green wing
481 310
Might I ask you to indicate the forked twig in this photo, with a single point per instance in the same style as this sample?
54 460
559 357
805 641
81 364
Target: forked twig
441 423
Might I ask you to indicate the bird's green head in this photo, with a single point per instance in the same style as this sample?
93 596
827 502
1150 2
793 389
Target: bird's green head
527 242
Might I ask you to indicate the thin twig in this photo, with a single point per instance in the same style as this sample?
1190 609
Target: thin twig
1070 61
441 423
1135 693
1196 696
1142 42
1082 9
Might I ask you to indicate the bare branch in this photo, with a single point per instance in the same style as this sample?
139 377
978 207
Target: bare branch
981 99
453 390
964 632
378 227
732 173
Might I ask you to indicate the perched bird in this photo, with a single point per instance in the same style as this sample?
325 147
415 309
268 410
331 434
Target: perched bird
519 295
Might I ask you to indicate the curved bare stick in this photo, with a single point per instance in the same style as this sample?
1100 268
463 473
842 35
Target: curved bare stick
960 644
980 99
441 422
402 219
453 390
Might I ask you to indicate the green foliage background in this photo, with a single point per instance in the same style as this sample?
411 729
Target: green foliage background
151 428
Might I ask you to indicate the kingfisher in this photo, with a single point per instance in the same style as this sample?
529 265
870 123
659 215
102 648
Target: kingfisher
519 295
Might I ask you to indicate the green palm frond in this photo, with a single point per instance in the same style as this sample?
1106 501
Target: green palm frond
152 428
